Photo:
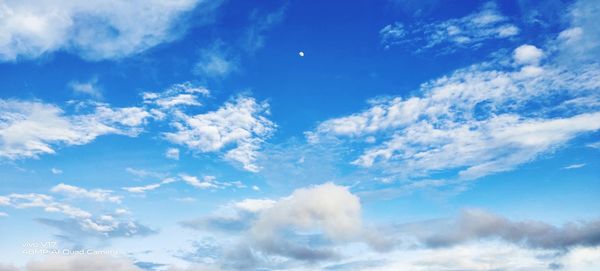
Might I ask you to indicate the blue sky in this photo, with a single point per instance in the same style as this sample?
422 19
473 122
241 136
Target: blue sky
295 135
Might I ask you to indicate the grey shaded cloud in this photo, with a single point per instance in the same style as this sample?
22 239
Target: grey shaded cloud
474 224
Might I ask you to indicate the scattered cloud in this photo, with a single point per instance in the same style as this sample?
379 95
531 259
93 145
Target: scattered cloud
88 88
142 173
3 214
595 145
216 62
254 37
56 171
100 195
470 31
78 223
95 30
476 121
182 94
172 153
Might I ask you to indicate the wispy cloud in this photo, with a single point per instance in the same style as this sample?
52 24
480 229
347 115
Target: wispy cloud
475 120
88 88
30 128
100 195
574 166
470 31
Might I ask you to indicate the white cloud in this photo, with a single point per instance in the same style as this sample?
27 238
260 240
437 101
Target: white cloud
574 166
89 88
100 195
240 124
469 31
477 120
206 182
254 205
327 207
150 187
528 54
172 153
56 171
3 214
595 145
29 129
79 222
95 29
183 94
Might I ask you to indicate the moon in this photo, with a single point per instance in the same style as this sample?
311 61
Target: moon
301 54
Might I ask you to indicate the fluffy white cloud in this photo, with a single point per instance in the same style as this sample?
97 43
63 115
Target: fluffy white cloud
306 226
469 31
100 195
240 124
93 29
328 207
528 54
29 129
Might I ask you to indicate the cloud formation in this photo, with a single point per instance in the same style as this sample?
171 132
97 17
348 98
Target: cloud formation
475 225
476 121
95 30
30 128
465 32
240 126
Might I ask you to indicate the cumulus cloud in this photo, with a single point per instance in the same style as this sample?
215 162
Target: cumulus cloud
469 31
240 126
100 195
95 30
305 226
30 128
528 54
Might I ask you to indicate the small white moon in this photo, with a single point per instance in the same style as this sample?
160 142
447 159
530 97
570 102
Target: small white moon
301 53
